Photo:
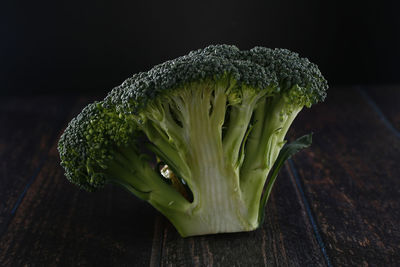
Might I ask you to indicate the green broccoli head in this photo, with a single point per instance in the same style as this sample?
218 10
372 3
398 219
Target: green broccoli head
215 119
91 141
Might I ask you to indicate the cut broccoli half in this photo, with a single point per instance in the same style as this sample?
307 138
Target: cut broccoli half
197 136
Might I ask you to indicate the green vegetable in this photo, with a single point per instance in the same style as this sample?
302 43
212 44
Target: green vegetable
197 136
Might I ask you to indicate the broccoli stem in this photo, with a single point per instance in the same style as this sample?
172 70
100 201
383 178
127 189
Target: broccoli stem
199 114
166 150
134 173
262 148
212 171
239 120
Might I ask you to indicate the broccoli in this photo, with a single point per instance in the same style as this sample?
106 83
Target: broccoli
197 136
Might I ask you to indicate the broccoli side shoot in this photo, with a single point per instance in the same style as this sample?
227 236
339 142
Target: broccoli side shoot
200 137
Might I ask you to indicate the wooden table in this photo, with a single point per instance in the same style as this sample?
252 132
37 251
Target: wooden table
334 204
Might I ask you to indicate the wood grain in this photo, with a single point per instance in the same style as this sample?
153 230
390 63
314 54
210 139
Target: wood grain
351 178
28 126
347 188
285 239
58 224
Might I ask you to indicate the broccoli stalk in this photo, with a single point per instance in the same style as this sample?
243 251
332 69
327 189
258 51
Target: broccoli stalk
216 121
263 146
190 123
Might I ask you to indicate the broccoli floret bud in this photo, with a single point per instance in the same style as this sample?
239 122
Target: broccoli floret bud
293 73
89 144
214 120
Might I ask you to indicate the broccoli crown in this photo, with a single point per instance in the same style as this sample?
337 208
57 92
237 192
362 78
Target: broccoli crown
215 120
90 142
279 71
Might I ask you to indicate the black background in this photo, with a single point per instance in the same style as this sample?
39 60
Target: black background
82 46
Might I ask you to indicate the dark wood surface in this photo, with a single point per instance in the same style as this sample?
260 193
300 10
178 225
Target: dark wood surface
334 204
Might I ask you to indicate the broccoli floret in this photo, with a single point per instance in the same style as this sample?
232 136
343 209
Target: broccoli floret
200 137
